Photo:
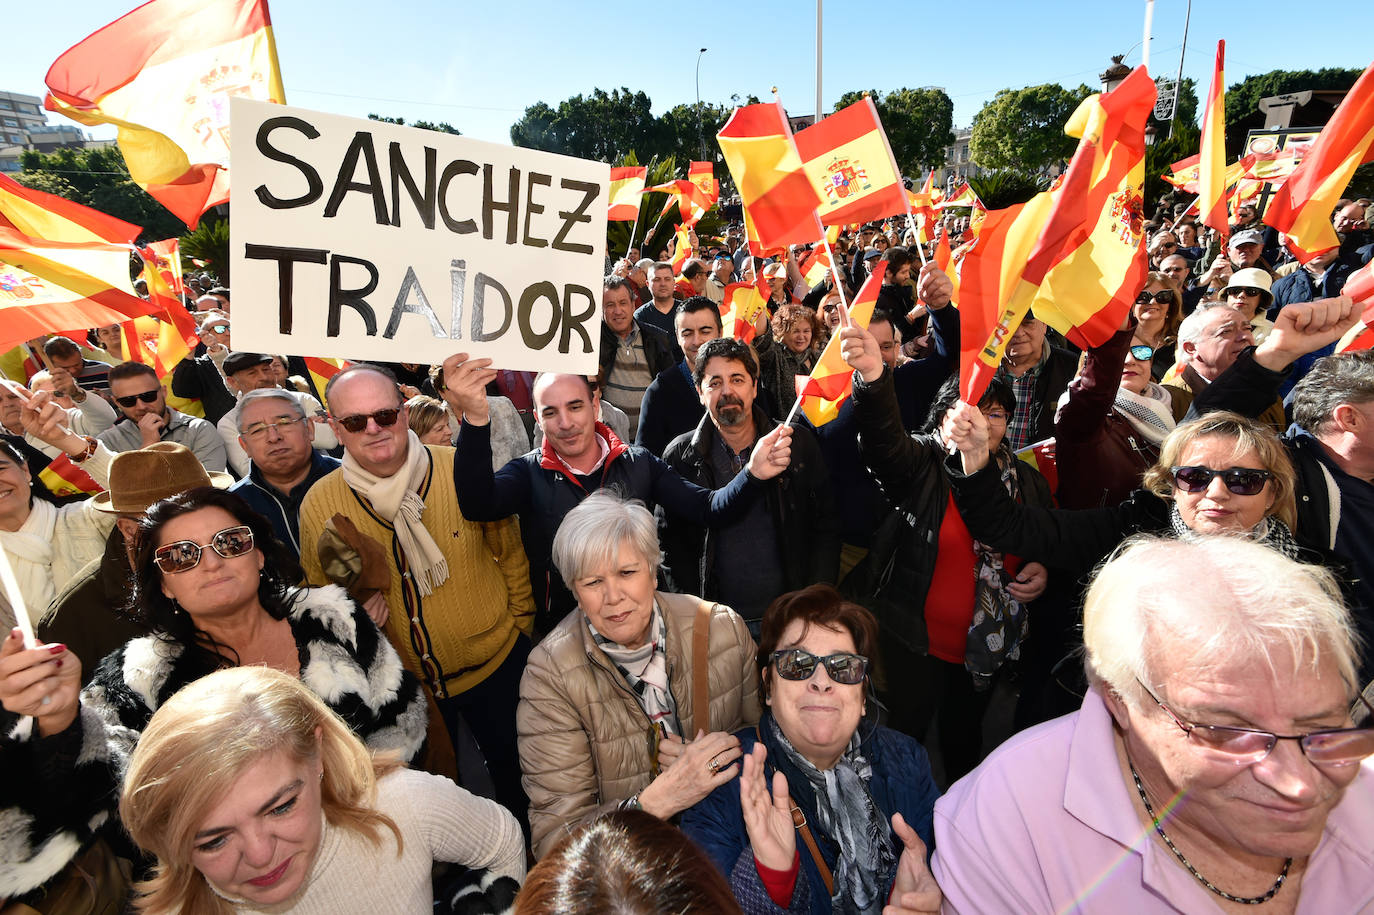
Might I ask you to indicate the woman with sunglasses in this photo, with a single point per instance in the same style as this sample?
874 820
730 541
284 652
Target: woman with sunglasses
1158 311
216 590
629 702
1249 291
831 812
1113 416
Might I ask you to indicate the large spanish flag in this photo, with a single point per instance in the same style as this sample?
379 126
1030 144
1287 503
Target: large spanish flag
53 218
1301 208
762 158
1212 155
821 394
1074 253
848 160
163 74
32 305
627 185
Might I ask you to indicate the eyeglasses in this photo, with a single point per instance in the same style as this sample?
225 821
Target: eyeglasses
259 430
1247 746
1163 297
1142 353
145 396
799 664
184 555
219 328
1243 481
996 416
1244 290
358 421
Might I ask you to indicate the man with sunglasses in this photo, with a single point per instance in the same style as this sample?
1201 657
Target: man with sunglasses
142 402
457 606
1215 762
199 376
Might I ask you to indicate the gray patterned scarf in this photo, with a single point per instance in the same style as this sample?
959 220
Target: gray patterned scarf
845 812
645 669
1271 532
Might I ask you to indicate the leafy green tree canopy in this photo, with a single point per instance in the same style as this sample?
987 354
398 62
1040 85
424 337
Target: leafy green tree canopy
98 178
1023 129
441 127
918 123
604 126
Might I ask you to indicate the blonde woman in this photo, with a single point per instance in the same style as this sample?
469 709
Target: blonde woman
254 796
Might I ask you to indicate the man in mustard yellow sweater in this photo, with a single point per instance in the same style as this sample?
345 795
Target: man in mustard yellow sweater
458 606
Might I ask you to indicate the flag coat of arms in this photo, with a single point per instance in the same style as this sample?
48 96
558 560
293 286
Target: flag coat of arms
848 160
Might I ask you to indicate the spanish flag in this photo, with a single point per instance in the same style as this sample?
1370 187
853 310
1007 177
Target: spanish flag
163 74
922 206
963 196
740 308
822 393
848 160
703 178
1183 174
1360 287
815 266
1301 208
321 370
627 184
52 218
64 479
762 158
32 305
682 249
1212 158
1074 253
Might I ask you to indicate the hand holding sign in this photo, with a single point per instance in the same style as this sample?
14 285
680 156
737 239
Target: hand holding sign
465 388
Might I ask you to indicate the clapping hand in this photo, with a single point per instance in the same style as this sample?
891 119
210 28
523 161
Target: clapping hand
767 816
914 892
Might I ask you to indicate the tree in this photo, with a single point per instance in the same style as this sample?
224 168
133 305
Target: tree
1005 187
209 243
603 126
918 123
1024 128
98 178
441 127
1242 99
684 130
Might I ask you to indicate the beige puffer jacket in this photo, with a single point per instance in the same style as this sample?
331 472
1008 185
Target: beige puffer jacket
585 742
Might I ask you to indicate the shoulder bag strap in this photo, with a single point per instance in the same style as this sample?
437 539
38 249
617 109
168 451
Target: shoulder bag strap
799 821
701 672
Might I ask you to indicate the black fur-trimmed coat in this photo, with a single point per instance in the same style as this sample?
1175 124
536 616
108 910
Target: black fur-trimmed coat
56 793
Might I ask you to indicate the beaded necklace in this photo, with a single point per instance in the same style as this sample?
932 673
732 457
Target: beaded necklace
1243 900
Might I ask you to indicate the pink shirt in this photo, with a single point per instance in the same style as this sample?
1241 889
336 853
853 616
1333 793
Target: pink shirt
1046 824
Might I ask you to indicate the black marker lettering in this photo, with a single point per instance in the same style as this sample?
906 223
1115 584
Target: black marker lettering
286 259
572 217
360 147
314 186
353 298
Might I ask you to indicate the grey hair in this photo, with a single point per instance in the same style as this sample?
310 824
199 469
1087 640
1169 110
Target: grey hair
1259 605
264 394
591 535
1332 381
1190 330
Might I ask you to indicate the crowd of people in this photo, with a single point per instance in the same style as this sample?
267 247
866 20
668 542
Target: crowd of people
384 643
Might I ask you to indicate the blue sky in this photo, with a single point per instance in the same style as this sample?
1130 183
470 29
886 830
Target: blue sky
478 66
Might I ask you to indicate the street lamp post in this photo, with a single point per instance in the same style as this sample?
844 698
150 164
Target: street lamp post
701 136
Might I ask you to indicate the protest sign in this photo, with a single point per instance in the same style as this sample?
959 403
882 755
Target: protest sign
364 240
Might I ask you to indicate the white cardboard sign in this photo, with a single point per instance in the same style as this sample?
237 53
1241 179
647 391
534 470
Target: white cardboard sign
360 239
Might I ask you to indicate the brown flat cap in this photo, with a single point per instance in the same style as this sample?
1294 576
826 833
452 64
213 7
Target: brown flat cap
162 470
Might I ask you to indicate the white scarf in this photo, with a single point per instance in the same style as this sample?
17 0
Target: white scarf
30 551
396 498
1150 414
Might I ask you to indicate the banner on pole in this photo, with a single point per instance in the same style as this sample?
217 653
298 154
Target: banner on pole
364 240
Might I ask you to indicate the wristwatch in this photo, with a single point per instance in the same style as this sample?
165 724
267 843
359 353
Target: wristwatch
631 803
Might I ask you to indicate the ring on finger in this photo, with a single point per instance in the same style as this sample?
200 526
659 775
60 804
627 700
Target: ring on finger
713 765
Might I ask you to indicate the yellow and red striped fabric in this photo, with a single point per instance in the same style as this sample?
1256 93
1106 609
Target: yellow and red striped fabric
703 178
1301 208
1212 154
627 185
163 74
923 208
52 218
821 394
850 164
739 309
963 196
1183 174
64 479
763 160
1074 253
321 370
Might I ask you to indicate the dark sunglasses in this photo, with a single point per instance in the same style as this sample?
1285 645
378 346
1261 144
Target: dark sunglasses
184 555
1245 290
798 664
358 421
219 328
1243 481
1142 353
1163 297
145 396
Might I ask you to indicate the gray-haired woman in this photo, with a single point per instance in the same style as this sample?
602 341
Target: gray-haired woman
612 712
